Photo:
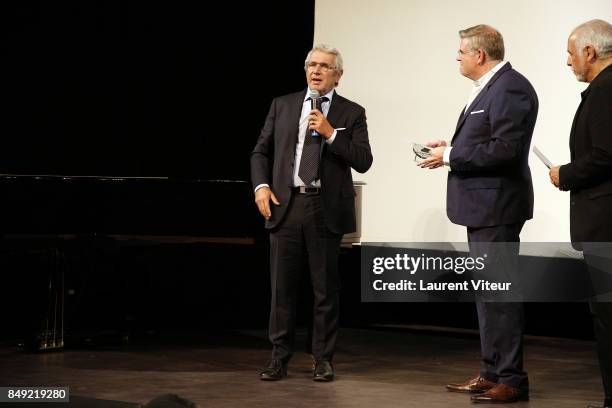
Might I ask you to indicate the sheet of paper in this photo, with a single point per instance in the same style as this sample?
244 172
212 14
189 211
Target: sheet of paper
541 156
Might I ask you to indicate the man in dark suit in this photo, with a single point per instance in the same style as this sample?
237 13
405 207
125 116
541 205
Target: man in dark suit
589 175
302 164
489 191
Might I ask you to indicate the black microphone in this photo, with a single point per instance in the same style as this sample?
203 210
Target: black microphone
314 97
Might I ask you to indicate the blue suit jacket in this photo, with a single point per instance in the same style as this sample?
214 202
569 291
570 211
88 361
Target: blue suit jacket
490 182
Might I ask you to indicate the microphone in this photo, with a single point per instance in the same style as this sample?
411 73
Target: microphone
314 97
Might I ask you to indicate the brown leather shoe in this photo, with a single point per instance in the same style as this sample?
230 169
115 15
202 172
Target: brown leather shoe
502 394
473 386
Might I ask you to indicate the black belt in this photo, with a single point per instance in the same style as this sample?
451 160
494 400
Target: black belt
307 190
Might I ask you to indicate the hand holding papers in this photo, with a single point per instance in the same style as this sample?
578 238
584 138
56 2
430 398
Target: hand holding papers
553 170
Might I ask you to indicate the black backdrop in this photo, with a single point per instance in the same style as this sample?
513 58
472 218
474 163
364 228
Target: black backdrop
179 90
145 88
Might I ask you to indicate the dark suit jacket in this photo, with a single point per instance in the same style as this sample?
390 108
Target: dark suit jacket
490 182
272 160
589 175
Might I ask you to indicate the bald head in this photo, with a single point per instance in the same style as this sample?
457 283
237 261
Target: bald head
597 34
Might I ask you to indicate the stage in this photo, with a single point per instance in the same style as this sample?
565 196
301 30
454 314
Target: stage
379 367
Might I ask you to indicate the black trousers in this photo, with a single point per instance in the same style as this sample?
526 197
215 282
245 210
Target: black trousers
599 264
501 324
602 326
303 241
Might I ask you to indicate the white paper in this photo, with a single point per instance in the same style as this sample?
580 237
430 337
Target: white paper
541 156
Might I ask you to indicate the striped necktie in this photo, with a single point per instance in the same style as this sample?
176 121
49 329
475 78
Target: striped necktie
311 153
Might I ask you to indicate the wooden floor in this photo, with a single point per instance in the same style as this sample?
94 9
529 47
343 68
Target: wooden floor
375 369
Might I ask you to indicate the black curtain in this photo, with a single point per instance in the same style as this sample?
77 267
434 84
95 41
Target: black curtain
145 88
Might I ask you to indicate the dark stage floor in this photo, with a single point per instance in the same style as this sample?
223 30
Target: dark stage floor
375 368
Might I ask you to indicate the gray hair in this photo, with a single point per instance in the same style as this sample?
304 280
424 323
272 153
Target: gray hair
486 38
328 49
598 34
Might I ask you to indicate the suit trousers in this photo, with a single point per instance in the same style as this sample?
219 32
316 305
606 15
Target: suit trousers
599 264
601 313
303 240
501 324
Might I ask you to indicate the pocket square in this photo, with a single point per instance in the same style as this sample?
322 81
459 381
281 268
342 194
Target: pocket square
480 111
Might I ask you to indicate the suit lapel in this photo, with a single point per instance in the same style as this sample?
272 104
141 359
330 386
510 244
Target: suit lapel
481 95
572 141
296 111
336 108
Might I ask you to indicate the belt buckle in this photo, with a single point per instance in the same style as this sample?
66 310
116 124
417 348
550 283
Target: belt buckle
305 190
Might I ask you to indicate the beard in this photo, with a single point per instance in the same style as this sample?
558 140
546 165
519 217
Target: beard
580 76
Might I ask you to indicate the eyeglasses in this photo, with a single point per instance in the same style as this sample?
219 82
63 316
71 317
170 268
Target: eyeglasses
322 66
471 51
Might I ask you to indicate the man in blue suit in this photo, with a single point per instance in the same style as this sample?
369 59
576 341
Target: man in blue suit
489 191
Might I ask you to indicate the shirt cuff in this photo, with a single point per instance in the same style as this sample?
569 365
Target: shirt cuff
446 156
332 137
260 186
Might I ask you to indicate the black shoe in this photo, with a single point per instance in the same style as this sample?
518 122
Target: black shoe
275 371
323 371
